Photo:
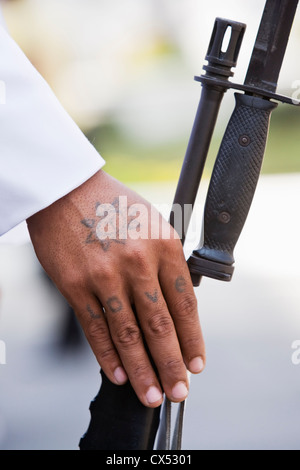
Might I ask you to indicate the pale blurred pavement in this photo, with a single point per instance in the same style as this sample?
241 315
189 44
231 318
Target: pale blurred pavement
249 395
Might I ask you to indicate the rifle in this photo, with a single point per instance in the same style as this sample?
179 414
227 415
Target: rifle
118 420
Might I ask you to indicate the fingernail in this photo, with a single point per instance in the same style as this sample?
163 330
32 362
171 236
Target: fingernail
120 375
196 365
179 391
153 395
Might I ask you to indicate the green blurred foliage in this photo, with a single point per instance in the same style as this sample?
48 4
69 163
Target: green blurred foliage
131 161
283 149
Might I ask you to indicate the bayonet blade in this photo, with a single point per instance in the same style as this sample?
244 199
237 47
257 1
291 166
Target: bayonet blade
270 44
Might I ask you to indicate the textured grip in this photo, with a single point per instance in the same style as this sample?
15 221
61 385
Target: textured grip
233 184
119 421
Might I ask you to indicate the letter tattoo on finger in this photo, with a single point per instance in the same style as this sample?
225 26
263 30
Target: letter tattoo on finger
114 304
153 297
180 284
93 314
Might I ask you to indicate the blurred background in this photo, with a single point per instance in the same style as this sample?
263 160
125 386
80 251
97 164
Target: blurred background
124 70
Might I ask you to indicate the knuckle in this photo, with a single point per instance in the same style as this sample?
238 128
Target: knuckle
140 371
99 339
186 305
106 354
72 282
96 331
128 336
173 245
193 343
104 274
173 363
160 325
138 258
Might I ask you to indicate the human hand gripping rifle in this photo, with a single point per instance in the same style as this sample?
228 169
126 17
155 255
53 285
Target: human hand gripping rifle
118 420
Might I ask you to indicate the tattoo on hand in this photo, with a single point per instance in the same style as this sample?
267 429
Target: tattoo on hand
153 297
113 223
180 284
114 304
89 223
92 236
92 313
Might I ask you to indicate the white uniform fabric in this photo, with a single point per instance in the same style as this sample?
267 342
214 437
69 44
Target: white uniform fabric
43 153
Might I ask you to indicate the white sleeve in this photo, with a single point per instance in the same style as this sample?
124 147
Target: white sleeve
43 153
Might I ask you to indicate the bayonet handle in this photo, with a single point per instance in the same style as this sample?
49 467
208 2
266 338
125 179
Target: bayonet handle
232 187
119 421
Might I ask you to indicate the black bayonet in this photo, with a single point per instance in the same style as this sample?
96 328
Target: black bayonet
238 164
268 53
237 167
270 44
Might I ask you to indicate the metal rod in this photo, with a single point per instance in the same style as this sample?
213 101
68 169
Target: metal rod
195 158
